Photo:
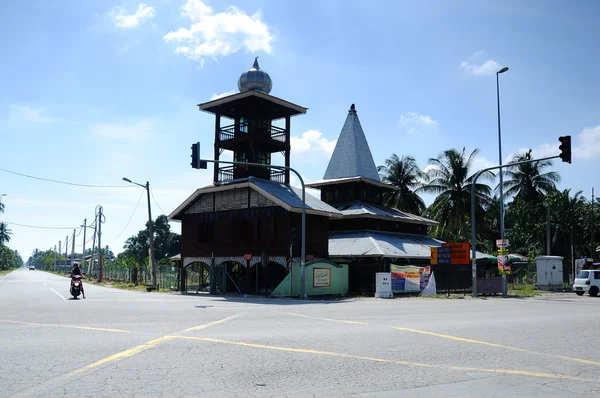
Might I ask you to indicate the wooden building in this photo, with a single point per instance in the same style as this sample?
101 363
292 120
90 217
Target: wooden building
247 225
370 236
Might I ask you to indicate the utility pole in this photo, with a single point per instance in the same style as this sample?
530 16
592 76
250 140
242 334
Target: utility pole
99 243
92 253
66 248
59 252
593 224
73 249
83 250
151 239
54 255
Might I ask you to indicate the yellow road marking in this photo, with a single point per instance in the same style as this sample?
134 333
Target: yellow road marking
143 347
207 325
506 347
465 340
518 372
125 354
326 319
67 326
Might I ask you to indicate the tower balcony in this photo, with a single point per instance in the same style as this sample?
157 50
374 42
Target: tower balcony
258 129
234 172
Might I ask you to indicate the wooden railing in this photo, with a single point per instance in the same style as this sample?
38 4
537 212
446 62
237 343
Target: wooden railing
276 133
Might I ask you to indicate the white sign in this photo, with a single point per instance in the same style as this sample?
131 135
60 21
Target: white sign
502 242
321 277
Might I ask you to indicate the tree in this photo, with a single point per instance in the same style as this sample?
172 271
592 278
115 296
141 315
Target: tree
450 178
5 234
407 177
1 207
529 181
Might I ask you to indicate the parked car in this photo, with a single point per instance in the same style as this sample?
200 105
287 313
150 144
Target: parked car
587 281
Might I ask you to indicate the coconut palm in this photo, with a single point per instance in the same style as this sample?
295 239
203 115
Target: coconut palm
5 234
529 181
449 176
407 177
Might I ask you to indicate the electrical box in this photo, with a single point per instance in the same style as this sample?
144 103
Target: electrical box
549 272
383 285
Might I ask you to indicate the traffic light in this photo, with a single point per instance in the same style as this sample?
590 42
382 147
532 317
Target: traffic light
196 162
195 155
565 148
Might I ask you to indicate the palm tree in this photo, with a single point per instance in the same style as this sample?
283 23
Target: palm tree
1 207
529 181
5 234
450 178
407 177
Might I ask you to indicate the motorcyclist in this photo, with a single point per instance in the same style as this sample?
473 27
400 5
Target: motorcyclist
77 271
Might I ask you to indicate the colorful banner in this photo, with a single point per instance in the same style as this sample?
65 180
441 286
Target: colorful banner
409 278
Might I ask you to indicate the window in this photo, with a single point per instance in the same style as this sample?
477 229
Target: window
244 228
597 275
243 125
258 229
338 195
327 197
349 194
205 232
263 158
240 157
583 274
363 194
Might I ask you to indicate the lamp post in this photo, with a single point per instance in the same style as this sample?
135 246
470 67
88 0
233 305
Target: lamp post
150 233
504 286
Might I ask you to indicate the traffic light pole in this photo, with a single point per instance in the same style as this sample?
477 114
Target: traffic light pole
473 228
303 234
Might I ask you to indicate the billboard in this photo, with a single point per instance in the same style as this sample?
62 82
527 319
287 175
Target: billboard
409 278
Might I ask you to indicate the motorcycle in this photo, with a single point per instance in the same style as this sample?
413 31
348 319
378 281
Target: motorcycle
76 285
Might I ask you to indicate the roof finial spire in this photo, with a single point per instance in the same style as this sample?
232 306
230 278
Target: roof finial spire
352 108
255 65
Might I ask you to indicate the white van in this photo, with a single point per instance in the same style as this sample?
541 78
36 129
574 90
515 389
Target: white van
587 281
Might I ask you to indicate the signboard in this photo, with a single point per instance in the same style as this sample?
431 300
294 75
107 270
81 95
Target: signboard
502 243
247 257
460 253
321 277
434 256
503 261
409 278
444 256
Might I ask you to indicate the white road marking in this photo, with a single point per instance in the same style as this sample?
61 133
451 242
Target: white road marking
59 295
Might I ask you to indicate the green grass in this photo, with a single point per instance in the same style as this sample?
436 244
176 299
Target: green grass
6 271
523 290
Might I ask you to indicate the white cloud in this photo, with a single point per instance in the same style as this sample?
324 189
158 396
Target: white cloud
137 131
413 123
489 67
20 113
224 33
587 143
124 21
312 140
225 94
414 117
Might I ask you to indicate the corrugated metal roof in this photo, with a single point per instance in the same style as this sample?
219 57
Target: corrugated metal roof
318 184
289 198
352 155
367 243
361 209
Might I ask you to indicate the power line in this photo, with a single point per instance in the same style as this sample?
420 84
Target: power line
152 194
130 218
65 182
36 226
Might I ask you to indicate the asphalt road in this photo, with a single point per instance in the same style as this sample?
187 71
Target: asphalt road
120 343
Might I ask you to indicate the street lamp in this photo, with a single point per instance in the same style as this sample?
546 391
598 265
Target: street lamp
504 285
150 233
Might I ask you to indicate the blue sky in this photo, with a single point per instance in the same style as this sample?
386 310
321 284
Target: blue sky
96 90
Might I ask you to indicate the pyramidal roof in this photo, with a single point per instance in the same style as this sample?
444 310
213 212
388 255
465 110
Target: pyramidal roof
352 155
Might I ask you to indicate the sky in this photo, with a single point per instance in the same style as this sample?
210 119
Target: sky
93 91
